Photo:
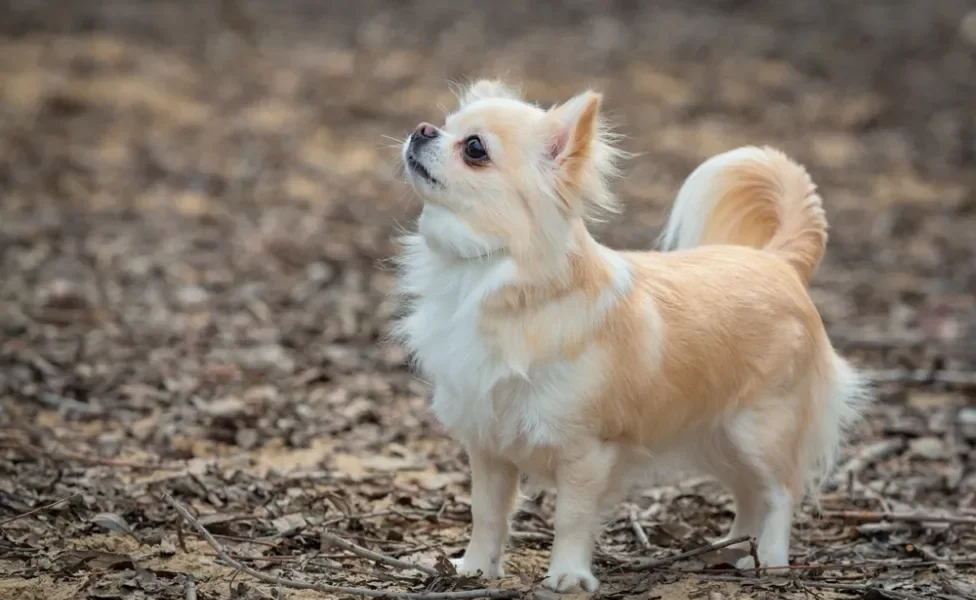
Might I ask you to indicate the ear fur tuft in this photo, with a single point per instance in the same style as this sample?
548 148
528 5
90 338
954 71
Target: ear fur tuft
583 155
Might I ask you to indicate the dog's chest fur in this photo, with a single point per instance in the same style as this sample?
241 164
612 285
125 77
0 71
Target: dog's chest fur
491 388
486 392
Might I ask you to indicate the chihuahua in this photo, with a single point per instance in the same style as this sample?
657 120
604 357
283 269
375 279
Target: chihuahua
583 367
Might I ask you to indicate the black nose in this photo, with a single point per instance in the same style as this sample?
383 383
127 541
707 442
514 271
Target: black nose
424 133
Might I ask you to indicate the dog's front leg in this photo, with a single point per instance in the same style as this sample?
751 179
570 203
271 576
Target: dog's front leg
582 482
494 484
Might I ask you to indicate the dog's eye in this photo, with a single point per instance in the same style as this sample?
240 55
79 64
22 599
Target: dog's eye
474 149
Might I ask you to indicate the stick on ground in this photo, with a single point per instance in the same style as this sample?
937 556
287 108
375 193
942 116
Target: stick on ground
827 585
887 565
323 587
754 553
649 563
190 588
865 515
638 529
34 511
376 556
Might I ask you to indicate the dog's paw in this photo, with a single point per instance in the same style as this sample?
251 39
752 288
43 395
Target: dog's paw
571 581
470 569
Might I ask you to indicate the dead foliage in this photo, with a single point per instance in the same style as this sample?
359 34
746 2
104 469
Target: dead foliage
196 204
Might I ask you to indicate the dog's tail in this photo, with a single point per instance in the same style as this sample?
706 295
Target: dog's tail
844 395
754 197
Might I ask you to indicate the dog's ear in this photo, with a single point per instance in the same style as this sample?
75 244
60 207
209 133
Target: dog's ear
574 127
574 131
581 152
486 88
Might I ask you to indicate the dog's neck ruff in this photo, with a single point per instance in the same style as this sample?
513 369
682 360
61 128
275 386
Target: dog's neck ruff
448 235
465 254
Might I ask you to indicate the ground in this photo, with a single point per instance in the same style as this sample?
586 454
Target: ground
197 201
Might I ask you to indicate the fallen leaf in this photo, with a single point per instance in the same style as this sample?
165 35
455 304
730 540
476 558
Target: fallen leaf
111 522
929 448
93 559
429 480
215 518
289 523
167 547
228 406
283 461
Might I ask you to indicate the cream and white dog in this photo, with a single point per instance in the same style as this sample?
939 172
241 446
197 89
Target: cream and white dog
581 366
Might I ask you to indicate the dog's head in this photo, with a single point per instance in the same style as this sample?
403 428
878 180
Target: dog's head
502 174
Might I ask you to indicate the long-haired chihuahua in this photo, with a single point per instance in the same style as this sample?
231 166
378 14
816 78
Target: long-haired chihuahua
583 367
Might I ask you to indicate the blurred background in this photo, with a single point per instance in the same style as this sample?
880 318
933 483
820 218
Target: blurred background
197 200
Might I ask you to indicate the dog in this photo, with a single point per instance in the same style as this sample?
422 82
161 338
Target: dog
581 366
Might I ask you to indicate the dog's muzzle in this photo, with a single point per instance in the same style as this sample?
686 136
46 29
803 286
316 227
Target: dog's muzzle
423 135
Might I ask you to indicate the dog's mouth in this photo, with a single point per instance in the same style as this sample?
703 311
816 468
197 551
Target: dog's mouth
418 169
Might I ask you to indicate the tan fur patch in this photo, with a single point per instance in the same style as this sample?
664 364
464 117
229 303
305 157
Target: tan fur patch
771 204
736 323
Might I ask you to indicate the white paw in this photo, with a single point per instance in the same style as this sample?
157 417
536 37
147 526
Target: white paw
571 581
471 569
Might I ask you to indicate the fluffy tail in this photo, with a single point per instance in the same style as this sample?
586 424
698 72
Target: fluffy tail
754 197
845 396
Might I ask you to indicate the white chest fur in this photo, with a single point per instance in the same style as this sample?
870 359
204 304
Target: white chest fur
485 393
480 395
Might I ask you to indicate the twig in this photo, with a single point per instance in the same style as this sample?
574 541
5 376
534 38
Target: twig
925 553
38 509
645 564
869 529
328 564
638 529
867 564
398 513
956 590
180 538
325 563
376 556
229 538
754 553
190 588
827 585
864 515
322 587
416 549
